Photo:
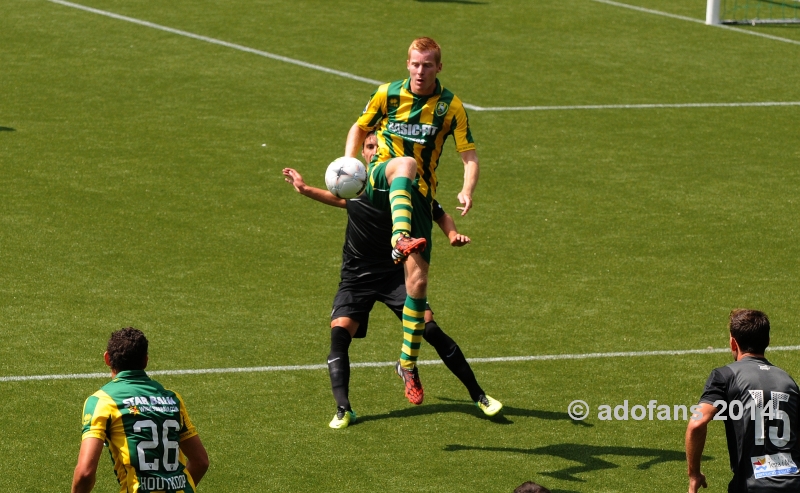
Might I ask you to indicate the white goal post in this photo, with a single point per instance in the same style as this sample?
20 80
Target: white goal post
752 12
712 12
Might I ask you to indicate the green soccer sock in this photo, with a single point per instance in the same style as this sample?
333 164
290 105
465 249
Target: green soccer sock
413 328
400 201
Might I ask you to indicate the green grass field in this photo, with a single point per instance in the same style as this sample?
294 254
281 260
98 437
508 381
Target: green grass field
141 186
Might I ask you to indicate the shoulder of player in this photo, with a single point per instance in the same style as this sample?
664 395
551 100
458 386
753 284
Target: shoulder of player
101 404
764 364
99 397
451 99
723 373
748 364
384 89
175 394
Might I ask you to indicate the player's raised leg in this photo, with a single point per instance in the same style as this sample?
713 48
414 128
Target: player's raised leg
400 173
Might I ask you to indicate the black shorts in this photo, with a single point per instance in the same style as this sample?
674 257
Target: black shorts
355 298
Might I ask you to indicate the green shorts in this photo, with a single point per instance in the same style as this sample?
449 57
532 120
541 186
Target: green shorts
421 217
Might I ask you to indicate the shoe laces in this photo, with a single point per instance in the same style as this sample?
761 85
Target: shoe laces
483 400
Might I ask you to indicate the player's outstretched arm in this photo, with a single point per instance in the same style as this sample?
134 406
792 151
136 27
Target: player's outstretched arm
296 180
355 141
86 471
695 443
471 174
197 457
448 227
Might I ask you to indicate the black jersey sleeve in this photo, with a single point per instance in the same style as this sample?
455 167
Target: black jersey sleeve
438 211
716 386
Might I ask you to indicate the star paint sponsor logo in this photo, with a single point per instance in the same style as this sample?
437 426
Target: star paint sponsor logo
773 465
153 403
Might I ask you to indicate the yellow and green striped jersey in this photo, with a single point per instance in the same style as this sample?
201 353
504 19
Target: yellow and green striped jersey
142 424
416 126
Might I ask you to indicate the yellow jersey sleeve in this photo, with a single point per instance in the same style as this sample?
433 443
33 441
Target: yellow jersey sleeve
460 126
98 413
188 429
375 111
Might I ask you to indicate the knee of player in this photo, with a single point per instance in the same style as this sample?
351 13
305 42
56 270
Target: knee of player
346 323
432 332
417 282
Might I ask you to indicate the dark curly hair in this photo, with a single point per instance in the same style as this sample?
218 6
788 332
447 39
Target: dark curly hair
750 329
531 487
127 349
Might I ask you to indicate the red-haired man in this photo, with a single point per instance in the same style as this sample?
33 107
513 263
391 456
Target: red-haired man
412 118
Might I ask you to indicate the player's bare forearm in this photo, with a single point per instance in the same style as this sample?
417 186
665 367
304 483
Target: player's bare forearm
197 458
696 432
83 484
448 227
355 139
83 478
471 174
295 179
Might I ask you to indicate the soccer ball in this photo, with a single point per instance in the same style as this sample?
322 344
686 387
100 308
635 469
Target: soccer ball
346 177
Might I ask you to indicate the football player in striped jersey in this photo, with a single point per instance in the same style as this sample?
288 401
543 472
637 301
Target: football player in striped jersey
412 118
152 441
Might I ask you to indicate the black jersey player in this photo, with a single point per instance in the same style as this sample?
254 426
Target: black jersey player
760 405
368 275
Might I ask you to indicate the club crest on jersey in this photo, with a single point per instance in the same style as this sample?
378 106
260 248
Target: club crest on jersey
441 108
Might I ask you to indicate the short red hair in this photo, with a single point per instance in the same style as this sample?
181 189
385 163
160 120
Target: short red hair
426 44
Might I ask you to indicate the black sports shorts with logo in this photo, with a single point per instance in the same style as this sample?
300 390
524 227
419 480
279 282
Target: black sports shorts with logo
356 297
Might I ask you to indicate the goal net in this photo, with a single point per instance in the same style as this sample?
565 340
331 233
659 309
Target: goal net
753 12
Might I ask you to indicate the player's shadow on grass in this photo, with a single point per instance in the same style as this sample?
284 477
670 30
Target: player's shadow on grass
467 407
587 456
7 129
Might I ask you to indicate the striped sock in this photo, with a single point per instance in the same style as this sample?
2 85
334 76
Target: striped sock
400 201
413 328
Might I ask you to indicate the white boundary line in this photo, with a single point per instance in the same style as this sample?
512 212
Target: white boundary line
260 369
220 42
638 106
472 107
701 21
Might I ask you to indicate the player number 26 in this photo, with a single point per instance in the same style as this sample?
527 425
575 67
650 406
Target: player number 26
169 445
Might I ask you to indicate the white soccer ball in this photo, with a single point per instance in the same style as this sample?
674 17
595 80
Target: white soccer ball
346 177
